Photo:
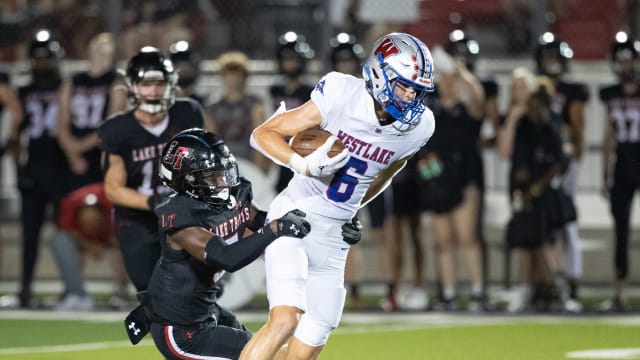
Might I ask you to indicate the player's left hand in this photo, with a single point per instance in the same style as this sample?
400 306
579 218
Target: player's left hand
352 231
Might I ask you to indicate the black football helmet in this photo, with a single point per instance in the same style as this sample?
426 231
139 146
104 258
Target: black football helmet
292 45
199 164
625 57
45 54
344 47
186 62
460 46
552 55
150 64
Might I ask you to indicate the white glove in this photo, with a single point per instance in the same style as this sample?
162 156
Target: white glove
320 164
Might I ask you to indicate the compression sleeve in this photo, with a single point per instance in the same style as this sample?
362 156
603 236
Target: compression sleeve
239 254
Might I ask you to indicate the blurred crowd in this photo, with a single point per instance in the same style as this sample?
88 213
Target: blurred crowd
541 132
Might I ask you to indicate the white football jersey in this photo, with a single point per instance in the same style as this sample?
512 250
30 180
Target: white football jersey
348 112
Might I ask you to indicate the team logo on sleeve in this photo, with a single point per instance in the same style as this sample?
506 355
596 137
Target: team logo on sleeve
320 86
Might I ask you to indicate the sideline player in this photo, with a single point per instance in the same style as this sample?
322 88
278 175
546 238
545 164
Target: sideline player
132 143
620 152
382 121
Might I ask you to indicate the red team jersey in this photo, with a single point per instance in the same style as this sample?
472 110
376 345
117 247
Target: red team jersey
67 219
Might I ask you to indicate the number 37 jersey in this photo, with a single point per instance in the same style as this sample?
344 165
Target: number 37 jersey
348 112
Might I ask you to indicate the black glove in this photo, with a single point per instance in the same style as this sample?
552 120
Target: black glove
293 224
352 231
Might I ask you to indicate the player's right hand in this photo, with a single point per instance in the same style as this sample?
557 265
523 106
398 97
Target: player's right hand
320 164
293 224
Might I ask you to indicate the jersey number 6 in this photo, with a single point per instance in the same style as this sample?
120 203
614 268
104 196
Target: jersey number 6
342 185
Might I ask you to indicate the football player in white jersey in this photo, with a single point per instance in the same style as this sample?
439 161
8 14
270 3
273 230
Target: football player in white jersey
382 121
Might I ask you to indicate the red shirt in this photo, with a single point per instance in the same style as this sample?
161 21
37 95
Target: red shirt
86 195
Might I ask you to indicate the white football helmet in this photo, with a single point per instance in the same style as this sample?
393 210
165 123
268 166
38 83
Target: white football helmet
399 58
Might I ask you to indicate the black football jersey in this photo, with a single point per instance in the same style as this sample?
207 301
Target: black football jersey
123 135
624 114
90 101
292 99
182 289
40 108
565 94
89 105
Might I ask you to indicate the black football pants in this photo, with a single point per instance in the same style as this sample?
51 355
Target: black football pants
140 247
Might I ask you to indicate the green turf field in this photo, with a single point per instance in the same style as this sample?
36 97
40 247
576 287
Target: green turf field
360 336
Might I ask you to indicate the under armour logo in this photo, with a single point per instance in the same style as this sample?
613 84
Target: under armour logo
133 328
294 229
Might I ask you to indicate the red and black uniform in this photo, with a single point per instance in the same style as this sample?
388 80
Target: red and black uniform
624 113
77 199
137 230
41 170
182 290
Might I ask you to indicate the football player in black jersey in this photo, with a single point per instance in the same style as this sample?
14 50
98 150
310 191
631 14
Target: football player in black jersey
209 226
132 143
84 105
621 154
43 168
568 104
292 55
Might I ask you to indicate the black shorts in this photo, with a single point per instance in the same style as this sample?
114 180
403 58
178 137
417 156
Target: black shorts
406 197
377 211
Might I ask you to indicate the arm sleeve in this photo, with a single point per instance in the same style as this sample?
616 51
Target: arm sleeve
239 254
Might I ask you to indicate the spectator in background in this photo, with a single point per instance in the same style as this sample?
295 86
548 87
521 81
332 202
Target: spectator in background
292 55
535 149
568 103
449 190
85 231
9 101
237 112
132 142
466 51
42 170
621 156
84 105
522 85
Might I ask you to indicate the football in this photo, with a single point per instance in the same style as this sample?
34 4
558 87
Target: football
306 142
